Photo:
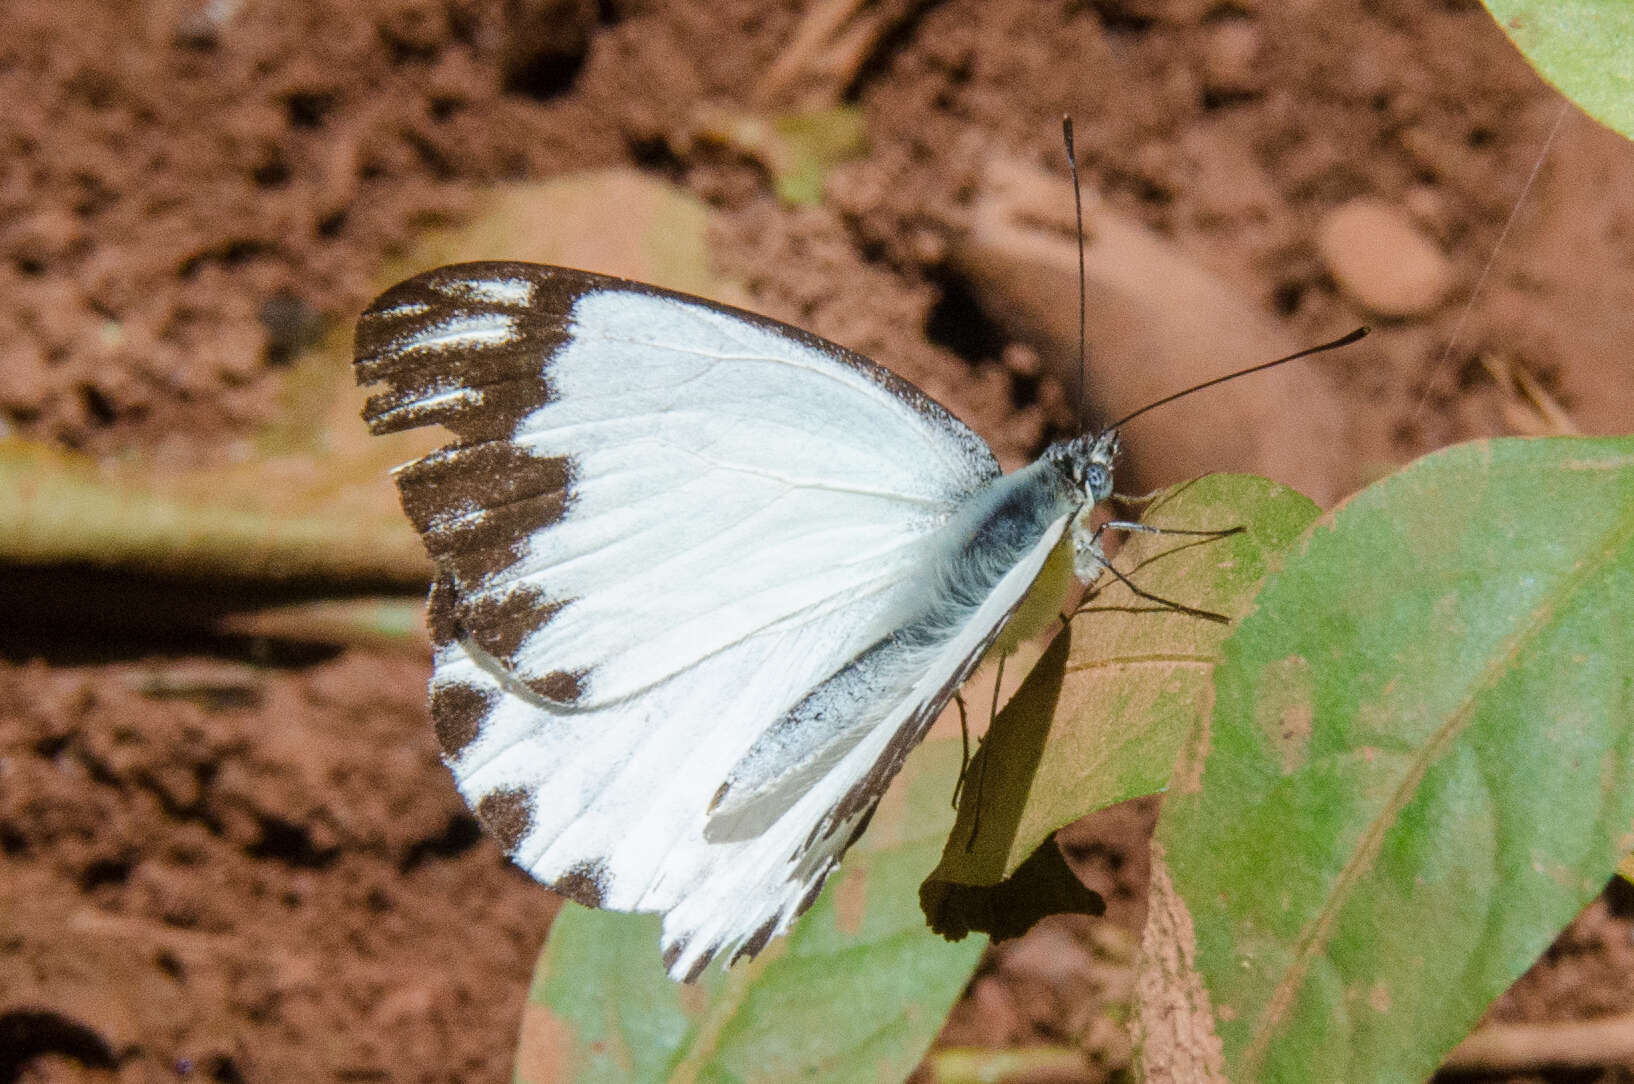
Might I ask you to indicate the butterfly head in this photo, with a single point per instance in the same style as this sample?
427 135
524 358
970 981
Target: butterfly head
1085 463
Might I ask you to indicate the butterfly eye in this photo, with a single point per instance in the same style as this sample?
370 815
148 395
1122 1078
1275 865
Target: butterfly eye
1097 481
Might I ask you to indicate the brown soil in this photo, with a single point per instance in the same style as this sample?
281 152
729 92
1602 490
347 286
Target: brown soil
227 864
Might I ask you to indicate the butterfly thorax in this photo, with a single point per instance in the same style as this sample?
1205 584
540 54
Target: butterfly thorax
997 526
1085 464
1062 488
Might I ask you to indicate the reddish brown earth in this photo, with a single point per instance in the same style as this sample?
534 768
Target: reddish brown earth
225 861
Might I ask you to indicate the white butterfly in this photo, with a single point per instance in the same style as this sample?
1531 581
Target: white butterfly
704 580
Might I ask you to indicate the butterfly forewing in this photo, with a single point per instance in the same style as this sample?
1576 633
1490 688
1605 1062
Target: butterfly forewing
723 471
661 526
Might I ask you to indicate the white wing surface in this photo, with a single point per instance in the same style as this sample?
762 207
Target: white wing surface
663 527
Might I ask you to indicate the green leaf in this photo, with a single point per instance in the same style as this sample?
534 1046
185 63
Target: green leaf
1583 47
812 143
855 992
1418 766
1102 716
797 149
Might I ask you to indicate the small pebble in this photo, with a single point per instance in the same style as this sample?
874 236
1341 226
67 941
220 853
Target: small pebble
1382 260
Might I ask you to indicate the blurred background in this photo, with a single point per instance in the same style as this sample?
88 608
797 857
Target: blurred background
227 848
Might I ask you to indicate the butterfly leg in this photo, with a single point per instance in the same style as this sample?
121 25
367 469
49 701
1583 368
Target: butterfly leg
1147 528
1090 553
1149 501
1146 500
1166 603
981 769
964 748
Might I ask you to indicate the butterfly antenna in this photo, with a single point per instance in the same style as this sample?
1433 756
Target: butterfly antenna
1343 340
1078 209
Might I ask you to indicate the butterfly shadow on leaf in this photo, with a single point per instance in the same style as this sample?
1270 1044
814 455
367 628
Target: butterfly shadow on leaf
979 885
